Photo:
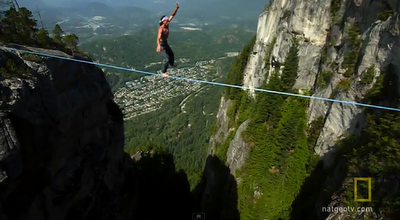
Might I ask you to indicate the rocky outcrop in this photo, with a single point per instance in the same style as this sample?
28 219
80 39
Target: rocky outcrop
278 25
379 49
238 149
222 124
61 140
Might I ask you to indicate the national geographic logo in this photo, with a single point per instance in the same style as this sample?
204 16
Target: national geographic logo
365 198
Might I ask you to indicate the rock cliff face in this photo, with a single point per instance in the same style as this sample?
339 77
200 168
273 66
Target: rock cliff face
61 148
335 37
324 49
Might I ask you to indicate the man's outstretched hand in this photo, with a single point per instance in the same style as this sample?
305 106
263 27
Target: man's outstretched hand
177 5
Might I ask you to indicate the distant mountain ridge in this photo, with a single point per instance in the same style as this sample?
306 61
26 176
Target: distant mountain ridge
89 18
101 9
224 7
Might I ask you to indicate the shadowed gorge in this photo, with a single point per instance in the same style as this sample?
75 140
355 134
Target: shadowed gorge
217 191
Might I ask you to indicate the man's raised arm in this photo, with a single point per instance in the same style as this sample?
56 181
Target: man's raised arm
174 12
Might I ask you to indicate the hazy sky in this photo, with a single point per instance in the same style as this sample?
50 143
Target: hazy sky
152 4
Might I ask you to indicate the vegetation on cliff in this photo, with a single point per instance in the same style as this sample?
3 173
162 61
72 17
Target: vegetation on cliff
18 27
375 152
277 165
235 77
280 157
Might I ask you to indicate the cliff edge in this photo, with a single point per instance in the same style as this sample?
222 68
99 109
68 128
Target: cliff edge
61 139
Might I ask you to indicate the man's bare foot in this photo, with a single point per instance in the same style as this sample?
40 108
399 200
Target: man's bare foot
165 75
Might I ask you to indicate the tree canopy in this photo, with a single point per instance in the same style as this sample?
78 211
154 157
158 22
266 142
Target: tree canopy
18 26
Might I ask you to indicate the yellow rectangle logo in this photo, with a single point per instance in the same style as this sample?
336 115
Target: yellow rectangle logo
369 189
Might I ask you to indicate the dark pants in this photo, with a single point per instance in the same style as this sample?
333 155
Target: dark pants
168 56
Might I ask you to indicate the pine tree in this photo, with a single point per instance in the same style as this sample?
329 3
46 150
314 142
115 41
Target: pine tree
18 26
8 25
43 37
57 33
27 24
289 73
71 41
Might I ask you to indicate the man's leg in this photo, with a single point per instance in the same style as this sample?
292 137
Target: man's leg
166 62
171 55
